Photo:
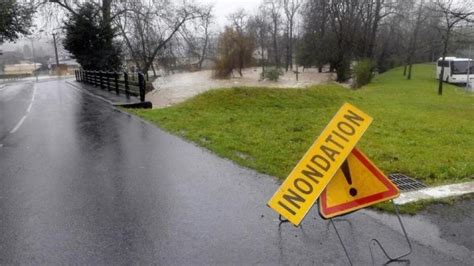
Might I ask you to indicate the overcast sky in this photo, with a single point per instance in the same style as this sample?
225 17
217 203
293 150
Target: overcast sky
222 8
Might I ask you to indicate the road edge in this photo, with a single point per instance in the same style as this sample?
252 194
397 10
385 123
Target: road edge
433 193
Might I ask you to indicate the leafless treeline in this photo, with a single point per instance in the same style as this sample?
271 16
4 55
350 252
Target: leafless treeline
309 33
337 32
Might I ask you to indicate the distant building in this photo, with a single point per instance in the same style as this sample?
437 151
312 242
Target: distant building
65 67
24 67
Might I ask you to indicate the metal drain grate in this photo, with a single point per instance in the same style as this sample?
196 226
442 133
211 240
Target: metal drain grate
406 183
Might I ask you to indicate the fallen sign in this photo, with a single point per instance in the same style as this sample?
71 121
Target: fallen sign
357 184
309 178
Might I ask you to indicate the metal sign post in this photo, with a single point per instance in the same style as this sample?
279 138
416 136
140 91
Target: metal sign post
373 241
346 182
377 242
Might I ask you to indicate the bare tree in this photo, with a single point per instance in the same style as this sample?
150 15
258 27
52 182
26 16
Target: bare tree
420 17
197 35
375 11
291 8
206 21
346 20
274 8
149 27
260 27
243 41
235 52
452 14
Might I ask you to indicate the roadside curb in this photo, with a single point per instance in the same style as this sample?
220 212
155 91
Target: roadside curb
141 105
435 193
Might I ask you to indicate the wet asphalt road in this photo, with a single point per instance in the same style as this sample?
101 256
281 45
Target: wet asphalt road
83 183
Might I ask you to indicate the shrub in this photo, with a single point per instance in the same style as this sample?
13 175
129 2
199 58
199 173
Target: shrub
363 73
223 68
272 74
235 52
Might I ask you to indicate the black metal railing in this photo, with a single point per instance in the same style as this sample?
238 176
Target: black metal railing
120 82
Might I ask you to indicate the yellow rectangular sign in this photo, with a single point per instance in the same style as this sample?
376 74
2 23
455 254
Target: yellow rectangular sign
307 180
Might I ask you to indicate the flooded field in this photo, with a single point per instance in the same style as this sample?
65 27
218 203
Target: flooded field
176 88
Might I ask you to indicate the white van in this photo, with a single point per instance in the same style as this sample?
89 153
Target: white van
456 70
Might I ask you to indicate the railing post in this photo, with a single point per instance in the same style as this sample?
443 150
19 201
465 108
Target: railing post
127 88
101 80
141 85
107 76
116 77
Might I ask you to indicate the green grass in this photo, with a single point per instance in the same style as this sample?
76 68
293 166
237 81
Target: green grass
415 131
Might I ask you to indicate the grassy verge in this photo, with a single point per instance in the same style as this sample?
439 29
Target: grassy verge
415 131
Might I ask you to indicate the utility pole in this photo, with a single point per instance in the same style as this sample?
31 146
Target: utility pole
34 60
56 53
33 51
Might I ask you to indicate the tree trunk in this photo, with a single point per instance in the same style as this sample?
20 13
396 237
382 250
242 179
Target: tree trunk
412 48
275 44
290 52
162 44
153 68
373 33
287 57
441 75
409 70
107 24
204 48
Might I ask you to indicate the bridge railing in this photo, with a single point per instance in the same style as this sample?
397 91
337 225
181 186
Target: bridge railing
119 82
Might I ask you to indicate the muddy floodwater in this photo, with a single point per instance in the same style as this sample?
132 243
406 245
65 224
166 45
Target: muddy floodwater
175 88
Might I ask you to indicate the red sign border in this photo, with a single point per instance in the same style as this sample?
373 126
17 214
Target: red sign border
391 193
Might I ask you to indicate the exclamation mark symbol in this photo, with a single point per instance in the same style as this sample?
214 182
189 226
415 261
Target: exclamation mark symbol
347 174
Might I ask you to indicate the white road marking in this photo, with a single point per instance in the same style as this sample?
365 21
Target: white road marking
436 193
29 107
18 125
34 93
15 129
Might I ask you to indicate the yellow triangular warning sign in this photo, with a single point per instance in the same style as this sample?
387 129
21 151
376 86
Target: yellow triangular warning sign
357 184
